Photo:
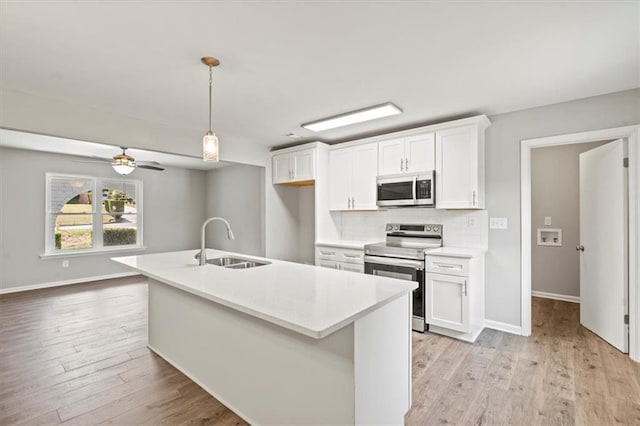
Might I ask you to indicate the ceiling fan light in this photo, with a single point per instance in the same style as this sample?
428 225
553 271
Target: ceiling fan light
210 148
123 167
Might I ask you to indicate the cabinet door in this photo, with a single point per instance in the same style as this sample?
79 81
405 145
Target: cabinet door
340 172
353 267
282 168
391 156
420 152
365 170
327 264
457 168
447 302
304 165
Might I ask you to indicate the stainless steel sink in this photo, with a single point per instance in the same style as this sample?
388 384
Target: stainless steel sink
235 262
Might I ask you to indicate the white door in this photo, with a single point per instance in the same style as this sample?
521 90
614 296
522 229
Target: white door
303 167
391 157
420 152
340 171
365 169
282 168
604 286
447 302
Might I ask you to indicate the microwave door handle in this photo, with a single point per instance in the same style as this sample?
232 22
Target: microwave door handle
415 185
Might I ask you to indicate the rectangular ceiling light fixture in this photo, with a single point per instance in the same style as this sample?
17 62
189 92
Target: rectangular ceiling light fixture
353 117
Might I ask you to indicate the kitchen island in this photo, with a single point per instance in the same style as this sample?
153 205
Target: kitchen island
283 343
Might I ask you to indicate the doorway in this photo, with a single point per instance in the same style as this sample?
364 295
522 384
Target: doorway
631 134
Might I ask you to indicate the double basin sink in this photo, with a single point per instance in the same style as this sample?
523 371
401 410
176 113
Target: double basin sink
230 262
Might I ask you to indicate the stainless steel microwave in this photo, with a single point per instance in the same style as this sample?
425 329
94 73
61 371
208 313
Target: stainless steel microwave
406 190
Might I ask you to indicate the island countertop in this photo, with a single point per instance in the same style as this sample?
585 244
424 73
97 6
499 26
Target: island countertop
307 299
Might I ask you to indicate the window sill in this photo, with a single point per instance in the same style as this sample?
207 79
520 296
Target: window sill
79 253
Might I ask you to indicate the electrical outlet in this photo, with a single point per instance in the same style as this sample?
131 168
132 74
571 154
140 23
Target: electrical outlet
65 263
547 220
471 222
498 223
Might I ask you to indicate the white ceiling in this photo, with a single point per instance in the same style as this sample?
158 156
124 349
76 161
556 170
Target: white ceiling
286 63
35 142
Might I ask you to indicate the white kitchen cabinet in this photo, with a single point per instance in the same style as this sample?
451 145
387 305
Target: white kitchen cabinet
340 258
448 300
408 154
352 177
460 167
294 167
454 293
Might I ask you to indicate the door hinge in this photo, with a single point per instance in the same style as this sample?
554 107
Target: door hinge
625 162
626 319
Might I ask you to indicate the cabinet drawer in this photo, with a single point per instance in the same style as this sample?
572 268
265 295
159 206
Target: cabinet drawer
351 256
448 265
327 253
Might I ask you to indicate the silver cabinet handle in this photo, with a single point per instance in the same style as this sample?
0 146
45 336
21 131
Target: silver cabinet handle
465 287
474 198
327 253
580 248
406 164
351 256
353 203
401 165
348 202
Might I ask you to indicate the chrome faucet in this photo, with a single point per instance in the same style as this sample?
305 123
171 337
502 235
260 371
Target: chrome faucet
203 254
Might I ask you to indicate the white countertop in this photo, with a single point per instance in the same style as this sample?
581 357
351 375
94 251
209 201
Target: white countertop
358 245
310 300
464 252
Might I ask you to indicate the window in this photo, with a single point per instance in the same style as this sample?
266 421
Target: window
86 214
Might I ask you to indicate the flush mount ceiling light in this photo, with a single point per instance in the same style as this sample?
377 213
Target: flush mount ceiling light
210 140
353 117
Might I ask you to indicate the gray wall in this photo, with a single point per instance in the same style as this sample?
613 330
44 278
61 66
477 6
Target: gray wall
173 209
237 194
555 192
502 300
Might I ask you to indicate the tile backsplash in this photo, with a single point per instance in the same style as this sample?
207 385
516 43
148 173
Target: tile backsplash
461 228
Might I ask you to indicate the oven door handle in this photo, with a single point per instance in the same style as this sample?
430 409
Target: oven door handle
415 264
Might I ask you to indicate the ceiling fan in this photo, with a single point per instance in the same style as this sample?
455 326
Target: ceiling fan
124 163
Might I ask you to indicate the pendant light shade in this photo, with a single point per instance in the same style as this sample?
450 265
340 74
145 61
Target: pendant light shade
210 149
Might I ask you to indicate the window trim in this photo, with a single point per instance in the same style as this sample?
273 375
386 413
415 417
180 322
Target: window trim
97 225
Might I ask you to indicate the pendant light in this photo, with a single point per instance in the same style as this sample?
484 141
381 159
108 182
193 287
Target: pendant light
210 140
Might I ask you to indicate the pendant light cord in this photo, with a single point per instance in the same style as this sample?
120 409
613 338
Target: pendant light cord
210 83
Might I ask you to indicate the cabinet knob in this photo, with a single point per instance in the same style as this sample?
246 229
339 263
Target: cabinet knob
580 248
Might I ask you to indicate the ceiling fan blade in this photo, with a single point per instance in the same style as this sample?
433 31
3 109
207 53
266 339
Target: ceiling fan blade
105 161
143 166
153 163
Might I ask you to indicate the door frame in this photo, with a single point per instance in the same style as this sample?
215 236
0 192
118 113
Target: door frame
632 134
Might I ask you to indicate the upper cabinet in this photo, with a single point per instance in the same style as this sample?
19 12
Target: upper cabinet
460 166
352 177
413 153
294 166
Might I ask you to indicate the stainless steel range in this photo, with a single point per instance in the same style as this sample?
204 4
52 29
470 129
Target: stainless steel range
402 256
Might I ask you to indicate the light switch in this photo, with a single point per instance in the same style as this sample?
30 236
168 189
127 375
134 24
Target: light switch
498 223
547 220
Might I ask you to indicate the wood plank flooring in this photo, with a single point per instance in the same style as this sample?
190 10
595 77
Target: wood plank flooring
77 355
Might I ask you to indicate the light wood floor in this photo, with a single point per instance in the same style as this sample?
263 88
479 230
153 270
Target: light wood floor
77 355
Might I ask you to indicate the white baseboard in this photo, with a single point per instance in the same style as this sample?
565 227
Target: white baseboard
66 282
503 326
554 296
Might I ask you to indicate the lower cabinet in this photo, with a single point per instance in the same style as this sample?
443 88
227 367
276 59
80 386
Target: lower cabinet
454 296
343 259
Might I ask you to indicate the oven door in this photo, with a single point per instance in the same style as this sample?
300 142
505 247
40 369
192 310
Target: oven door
404 269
